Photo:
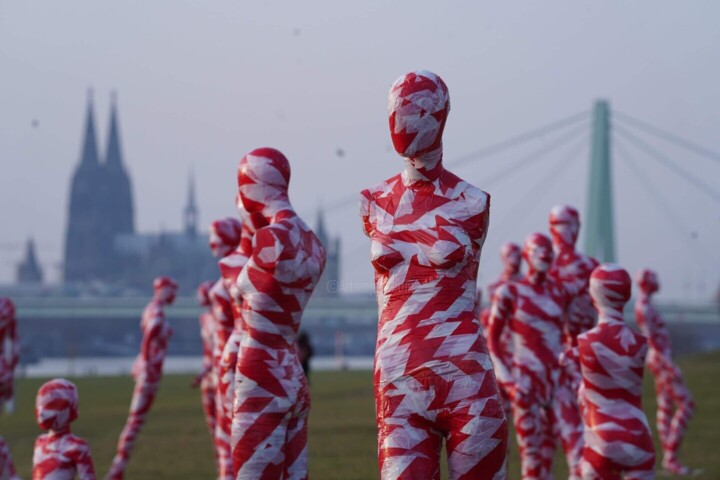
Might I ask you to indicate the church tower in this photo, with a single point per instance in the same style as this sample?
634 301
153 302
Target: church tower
29 271
329 284
119 189
83 245
190 212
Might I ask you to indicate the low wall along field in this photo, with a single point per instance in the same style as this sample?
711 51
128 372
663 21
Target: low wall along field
175 443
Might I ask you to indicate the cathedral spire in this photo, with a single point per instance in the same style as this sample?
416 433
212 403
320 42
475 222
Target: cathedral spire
190 213
89 154
29 271
320 228
113 157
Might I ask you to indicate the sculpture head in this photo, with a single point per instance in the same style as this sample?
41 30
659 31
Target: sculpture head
418 107
511 256
165 290
203 293
224 236
56 405
647 281
7 310
564 226
538 252
610 289
263 182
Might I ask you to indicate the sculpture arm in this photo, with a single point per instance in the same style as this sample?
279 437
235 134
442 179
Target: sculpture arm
501 309
84 462
14 344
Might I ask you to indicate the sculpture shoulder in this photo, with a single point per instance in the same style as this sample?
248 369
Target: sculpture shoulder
471 193
370 197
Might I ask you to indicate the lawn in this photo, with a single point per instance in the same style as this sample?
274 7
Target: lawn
175 443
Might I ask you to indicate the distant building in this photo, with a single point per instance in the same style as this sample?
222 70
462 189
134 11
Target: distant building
329 285
101 245
28 270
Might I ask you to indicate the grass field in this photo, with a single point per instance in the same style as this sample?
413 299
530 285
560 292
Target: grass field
175 443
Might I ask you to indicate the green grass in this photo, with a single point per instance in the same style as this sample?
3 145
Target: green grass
175 443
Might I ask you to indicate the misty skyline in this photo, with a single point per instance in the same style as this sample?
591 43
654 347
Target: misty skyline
200 85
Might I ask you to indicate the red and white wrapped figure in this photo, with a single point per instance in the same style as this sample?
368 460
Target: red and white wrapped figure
272 398
675 406
433 374
225 236
9 353
58 454
572 269
533 310
147 370
618 442
206 379
7 467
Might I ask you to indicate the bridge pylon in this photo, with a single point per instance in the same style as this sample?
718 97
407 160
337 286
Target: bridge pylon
598 224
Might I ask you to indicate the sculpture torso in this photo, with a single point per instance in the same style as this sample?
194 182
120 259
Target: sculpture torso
572 269
60 456
654 329
156 333
426 243
535 317
276 284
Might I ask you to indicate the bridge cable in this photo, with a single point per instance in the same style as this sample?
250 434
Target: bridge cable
521 208
667 136
676 219
518 139
534 155
669 164
355 197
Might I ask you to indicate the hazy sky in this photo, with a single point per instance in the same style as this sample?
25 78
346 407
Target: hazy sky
201 83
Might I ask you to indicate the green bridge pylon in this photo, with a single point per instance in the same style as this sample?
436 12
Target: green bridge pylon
599 231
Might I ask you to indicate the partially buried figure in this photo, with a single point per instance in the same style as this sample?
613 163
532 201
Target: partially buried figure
58 454
272 398
618 442
433 375
671 390
147 370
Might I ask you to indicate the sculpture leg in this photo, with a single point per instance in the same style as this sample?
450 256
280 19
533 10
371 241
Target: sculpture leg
594 466
296 454
408 442
532 430
681 399
260 452
663 417
570 427
226 393
207 392
476 442
143 396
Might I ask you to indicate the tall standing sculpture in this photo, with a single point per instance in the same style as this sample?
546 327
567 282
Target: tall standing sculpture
533 309
618 442
433 375
672 393
147 370
58 454
206 379
225 236
9 353
272 399
572 269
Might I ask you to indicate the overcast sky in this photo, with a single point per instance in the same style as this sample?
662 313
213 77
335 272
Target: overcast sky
202 83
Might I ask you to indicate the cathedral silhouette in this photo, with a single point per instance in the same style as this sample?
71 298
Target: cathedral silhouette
101 244
103 251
